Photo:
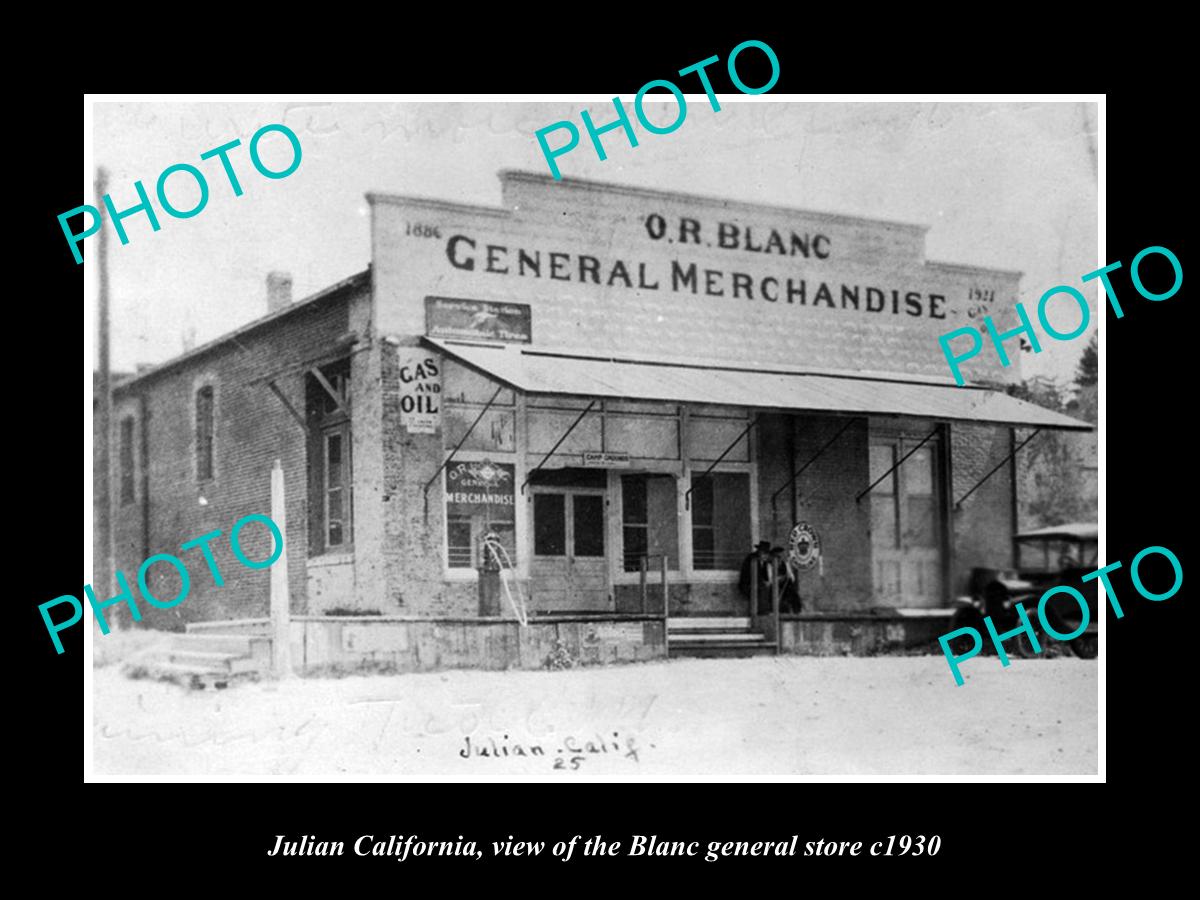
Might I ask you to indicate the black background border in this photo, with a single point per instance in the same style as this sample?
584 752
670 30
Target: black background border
986 829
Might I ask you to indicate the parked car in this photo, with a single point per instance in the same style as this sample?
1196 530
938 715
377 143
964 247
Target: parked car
1047 557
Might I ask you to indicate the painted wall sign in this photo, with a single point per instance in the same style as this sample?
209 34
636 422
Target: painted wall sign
853 293
595 459
479 487
611 269
420 392
450 317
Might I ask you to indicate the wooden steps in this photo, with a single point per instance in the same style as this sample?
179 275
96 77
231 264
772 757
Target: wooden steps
716 636
206 660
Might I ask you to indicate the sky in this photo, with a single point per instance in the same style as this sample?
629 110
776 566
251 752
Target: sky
1004 185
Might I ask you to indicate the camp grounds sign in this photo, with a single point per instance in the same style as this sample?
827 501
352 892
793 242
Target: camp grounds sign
479 487
420 393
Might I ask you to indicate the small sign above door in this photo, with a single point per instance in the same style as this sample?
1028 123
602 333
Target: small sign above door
596 459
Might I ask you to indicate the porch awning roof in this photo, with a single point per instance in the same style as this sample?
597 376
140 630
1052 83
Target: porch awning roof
548 371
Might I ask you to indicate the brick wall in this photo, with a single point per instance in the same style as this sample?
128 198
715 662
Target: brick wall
252 429
983 528
775 439
130 541
824 497
412 546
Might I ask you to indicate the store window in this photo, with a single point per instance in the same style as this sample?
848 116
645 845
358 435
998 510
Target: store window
336 461
549 524
720 520
921 499
330 459
904 506
464 539
649 521
204 433
458 542
480 498
885 511
587 525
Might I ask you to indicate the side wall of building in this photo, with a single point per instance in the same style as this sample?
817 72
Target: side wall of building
252 429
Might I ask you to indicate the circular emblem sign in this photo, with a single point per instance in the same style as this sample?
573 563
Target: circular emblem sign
804 547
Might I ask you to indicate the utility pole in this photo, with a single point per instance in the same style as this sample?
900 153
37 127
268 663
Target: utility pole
102 484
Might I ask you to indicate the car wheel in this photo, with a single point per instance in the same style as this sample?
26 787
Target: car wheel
1024 646
967 617
1086 646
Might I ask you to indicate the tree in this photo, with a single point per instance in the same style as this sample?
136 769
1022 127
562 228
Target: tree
1056 483
1088 372
1042 390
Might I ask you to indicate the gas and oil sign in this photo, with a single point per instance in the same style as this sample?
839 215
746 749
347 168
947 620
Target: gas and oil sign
420 393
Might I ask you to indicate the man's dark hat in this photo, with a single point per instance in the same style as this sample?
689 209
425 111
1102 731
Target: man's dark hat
763 545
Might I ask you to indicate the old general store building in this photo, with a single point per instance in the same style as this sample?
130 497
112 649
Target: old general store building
614 381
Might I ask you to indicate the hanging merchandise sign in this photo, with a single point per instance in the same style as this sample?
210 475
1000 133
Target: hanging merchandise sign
479 487
804 546
420 392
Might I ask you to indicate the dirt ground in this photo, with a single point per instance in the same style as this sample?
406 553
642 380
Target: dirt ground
786 716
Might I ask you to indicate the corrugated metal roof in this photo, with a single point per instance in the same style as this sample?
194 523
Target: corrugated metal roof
545 371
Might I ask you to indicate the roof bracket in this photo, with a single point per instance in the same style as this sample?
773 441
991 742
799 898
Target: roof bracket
287 405
687 498
829 443
458 447
330 390
959 502
898 464
565 435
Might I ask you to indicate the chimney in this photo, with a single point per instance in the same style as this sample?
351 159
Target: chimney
279 291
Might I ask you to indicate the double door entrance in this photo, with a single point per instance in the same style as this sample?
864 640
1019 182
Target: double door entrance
570 565
907 521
